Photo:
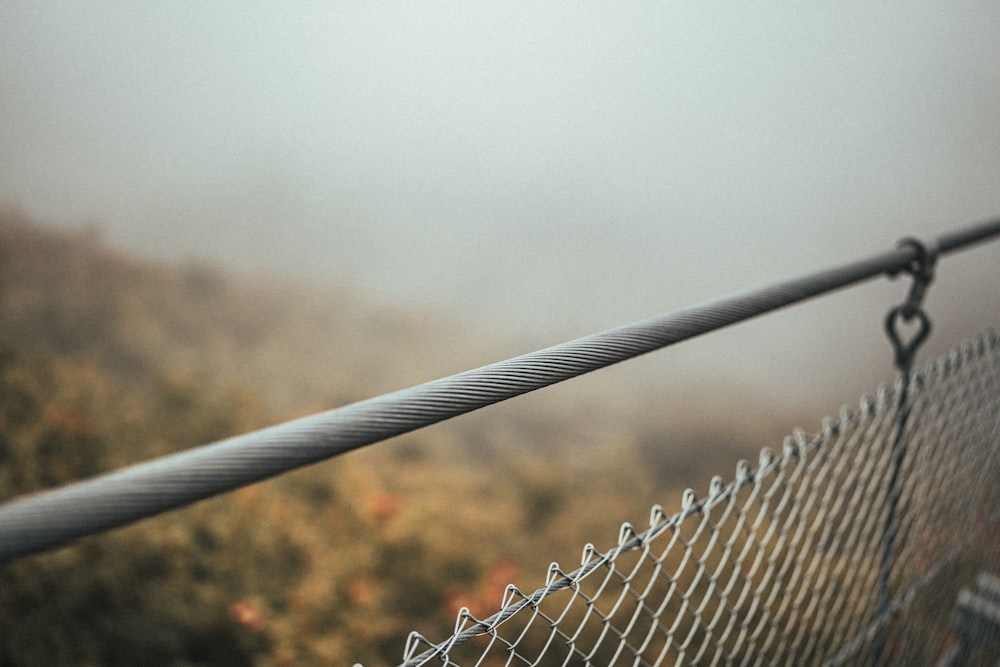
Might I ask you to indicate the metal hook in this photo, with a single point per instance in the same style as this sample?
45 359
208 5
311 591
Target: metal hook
922 270
906 350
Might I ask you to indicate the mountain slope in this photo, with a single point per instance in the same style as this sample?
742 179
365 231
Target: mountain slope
108 359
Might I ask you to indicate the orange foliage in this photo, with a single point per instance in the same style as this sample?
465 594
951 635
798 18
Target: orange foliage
247 614
486 598
361 592
69 421
383 506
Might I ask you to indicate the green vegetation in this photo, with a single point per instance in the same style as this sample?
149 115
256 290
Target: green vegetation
107 360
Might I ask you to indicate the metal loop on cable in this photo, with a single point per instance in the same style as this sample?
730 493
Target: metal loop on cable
906 349
922 270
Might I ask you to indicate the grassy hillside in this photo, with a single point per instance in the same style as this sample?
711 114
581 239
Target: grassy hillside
107 359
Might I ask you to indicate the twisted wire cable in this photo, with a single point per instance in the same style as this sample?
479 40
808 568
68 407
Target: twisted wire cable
52 518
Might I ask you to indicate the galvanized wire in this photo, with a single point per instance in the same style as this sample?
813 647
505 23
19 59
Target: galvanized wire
53 518
782 565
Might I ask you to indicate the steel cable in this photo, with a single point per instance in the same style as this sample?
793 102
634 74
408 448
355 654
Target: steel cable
52 518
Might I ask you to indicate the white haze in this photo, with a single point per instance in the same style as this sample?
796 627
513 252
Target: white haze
551 169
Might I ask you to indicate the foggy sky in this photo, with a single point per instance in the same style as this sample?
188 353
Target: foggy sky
555 168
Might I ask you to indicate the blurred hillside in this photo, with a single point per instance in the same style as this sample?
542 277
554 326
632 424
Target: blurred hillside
76 296
108 359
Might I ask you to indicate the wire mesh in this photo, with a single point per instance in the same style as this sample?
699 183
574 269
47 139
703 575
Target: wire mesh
783 565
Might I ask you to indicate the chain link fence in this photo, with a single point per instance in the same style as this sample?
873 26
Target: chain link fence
796 561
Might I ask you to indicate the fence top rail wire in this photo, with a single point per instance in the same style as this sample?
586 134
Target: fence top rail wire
52 518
